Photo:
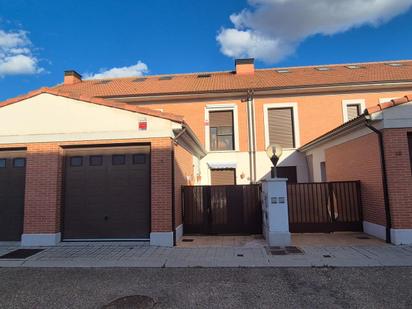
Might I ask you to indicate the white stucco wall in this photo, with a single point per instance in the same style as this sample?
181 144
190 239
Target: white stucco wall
47 117
263 165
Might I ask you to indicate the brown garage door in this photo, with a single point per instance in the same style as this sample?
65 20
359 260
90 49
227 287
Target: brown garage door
107 193
12 185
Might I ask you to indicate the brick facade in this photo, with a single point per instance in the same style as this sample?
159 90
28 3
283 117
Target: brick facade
44 178
359 159
183 176
399 173
43 189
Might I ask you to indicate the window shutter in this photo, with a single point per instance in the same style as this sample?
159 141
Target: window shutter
353 111
281 127
223 177
221 119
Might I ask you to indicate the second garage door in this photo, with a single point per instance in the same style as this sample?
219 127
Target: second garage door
107 193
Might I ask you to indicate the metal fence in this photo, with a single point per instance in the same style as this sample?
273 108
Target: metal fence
325 207
232 209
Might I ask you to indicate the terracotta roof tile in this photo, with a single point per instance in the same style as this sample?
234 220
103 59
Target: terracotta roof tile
260 80
391 103
99 101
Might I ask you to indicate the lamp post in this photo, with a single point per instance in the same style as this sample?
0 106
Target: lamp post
274 151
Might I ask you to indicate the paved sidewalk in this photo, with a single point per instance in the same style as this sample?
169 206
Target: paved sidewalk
143 255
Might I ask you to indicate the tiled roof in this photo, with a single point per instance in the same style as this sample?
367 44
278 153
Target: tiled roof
295 77
359 119
99 101
385 105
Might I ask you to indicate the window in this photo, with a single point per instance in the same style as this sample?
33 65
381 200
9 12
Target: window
281 127
19 162
221 177
221 130
323 172
353 111
139 158
76 161
288 172
95 160
118 159
2 163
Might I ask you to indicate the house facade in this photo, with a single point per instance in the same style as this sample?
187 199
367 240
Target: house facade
198 129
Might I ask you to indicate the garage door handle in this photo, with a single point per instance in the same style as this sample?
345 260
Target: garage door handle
106 218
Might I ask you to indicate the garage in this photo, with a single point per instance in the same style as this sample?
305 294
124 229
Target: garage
12 188
107 193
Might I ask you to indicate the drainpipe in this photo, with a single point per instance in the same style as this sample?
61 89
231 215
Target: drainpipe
251 135
173 184
384 181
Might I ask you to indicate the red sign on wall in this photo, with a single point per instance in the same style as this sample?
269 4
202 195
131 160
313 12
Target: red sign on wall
143 124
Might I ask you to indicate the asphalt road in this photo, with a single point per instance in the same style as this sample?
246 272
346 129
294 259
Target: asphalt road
208 288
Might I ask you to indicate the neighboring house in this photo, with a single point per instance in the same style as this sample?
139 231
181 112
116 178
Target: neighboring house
375 148
85 135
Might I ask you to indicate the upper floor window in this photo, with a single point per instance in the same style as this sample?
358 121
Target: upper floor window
281 127
221 130
352 109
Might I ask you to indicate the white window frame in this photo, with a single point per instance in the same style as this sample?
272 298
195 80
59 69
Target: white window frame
345 104
296 131
217 108
384 100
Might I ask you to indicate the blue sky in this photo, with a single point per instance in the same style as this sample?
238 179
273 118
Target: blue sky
189 36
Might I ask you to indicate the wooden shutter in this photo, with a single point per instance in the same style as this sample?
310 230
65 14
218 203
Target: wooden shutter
221 119
281 127
353 111
223 177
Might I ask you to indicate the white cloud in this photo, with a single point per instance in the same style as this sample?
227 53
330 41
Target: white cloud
16 56
137 69
273 29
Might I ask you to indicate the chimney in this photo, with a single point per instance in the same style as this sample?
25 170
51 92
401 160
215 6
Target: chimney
245 66
72 77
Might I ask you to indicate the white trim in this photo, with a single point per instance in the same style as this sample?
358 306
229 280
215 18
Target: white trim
377 230
401 236
296 131
161 239
29 240
222 107
179 232
345 104
384 100
222 165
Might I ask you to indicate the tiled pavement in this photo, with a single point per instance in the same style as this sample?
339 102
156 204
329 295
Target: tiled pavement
247 253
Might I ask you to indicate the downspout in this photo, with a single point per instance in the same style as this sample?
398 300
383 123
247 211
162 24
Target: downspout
384 181
251 136
173 184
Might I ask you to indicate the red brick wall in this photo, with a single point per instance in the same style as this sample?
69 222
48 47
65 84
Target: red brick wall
43 189
359 159
399 175
161 185
183 169
44 173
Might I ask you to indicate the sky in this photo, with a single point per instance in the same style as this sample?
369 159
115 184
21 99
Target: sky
39 40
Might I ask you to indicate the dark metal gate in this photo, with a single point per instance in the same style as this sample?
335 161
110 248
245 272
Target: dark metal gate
325 207
234 209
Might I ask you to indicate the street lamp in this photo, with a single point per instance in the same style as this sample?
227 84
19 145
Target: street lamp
274 151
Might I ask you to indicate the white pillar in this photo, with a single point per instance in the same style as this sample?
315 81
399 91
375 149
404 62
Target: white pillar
275 212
